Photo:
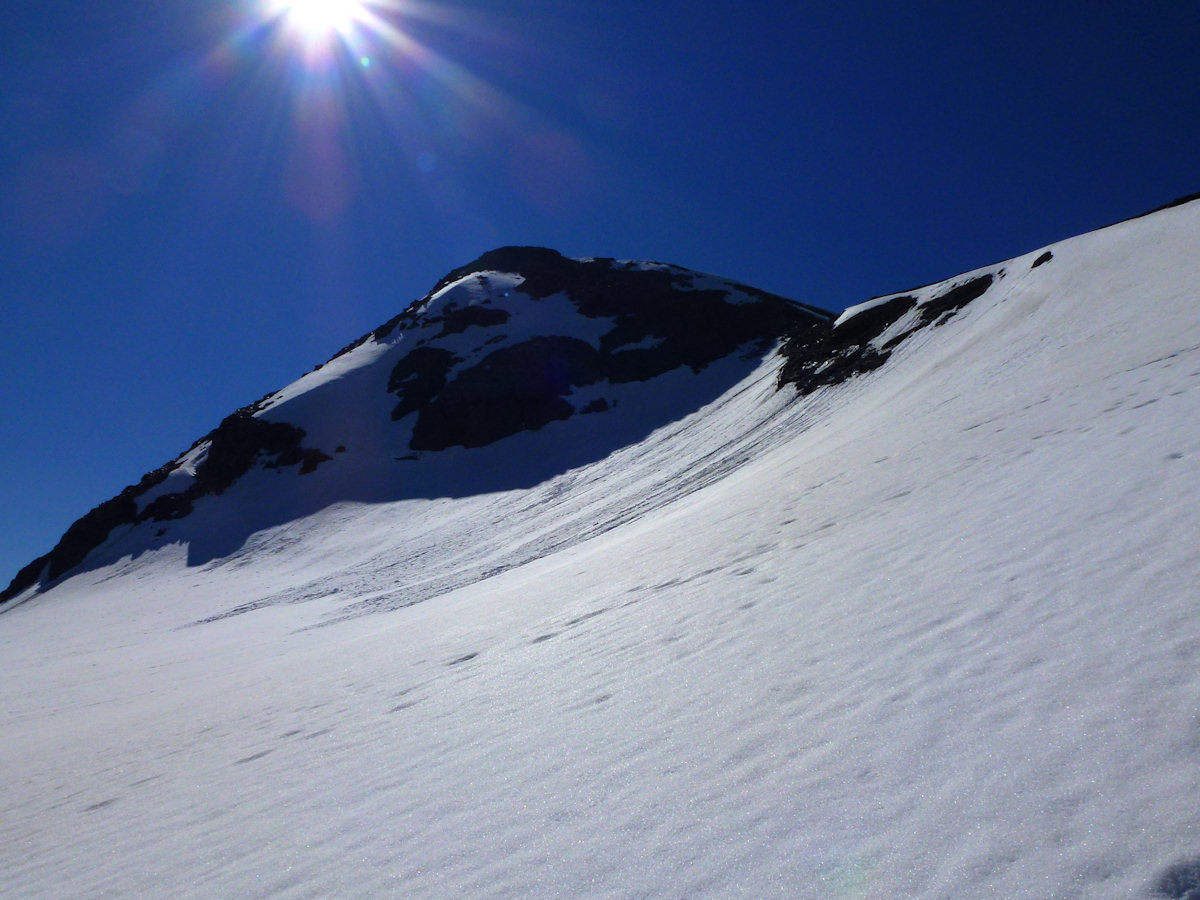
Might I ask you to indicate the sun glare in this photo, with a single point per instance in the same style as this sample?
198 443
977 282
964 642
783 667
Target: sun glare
358 82
318 19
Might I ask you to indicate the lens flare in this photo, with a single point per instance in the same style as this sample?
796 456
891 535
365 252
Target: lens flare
337 92
320 19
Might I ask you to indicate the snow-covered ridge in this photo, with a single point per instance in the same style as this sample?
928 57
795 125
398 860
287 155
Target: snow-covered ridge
517 340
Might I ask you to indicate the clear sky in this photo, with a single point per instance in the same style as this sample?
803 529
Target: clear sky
200 201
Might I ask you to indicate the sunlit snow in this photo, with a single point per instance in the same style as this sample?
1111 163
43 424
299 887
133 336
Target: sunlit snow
931 633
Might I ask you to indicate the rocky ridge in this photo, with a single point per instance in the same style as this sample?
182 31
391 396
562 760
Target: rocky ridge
520 338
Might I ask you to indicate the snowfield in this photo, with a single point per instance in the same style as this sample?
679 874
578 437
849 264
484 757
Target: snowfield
931 633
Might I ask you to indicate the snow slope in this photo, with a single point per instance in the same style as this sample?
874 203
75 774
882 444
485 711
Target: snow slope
928 633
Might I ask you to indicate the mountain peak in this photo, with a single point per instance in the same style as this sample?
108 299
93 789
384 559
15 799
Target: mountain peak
515 341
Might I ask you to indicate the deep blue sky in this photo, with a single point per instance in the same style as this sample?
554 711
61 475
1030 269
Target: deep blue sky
191 217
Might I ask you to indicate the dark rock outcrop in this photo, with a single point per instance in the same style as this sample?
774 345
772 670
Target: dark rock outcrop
822 355
825 354
661 322
518 388
235 445
1179 882
418 377
938 310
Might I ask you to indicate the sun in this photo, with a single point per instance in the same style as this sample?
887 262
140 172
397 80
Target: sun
319 19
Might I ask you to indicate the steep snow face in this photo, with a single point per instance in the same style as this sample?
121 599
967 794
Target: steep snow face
522 339
928 632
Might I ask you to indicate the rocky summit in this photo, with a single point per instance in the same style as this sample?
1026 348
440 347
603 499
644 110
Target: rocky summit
521 338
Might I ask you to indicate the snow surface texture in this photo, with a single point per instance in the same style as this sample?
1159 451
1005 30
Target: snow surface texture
928 633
